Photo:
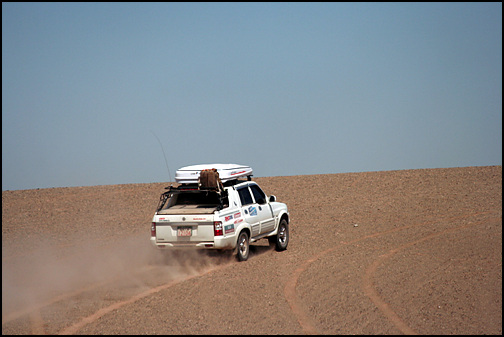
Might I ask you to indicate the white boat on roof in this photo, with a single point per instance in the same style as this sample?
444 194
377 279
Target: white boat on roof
190 174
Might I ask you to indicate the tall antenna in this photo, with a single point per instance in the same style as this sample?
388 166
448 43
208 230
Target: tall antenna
166 162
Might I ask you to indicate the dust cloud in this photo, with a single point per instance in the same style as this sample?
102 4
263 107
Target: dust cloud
49 272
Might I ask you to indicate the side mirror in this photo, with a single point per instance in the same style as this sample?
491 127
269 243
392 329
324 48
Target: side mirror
272 198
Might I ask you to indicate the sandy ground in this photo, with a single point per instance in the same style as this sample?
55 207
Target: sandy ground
393 252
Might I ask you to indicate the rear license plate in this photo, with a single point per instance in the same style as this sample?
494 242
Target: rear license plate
184 231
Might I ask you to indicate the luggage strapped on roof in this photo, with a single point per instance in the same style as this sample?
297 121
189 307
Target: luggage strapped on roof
209 180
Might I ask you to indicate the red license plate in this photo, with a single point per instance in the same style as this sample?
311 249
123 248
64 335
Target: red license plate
184 231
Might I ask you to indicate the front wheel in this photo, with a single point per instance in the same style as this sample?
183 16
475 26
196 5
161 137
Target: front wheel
281 240
242 247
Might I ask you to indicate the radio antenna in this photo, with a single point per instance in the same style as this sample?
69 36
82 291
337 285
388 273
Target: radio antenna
162 149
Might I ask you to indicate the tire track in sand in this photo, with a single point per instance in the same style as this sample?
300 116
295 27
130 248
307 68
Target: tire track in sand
33 311
371 292
103 311
296 305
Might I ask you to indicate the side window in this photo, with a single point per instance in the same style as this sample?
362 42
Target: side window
245 197
258 194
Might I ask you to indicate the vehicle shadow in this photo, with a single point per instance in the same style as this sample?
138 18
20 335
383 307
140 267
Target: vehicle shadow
259 249
221 256
201 257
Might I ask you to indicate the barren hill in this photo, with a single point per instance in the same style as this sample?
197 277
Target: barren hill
410 251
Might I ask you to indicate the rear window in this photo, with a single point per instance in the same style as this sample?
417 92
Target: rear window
195 198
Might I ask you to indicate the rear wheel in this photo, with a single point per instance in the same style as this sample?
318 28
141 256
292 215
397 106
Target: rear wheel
242 247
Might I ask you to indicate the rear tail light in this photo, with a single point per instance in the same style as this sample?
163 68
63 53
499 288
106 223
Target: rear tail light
153 229
217 226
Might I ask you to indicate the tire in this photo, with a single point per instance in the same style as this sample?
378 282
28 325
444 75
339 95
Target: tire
242 247
281 239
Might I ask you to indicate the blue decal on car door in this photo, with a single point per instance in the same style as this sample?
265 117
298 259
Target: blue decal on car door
252 211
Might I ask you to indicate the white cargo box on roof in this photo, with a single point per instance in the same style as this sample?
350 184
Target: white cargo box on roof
190 174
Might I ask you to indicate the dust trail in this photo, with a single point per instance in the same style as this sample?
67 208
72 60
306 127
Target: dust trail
37 323
44 277
43 274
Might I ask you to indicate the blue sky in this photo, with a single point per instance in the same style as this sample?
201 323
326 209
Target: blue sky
287 88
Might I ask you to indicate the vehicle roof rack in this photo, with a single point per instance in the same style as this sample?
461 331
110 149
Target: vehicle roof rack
194 186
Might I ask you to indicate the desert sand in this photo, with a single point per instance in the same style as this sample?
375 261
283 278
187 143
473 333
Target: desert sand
390 252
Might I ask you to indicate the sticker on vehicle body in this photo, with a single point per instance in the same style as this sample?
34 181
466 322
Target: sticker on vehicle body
163 219
252 211
237 215
229 217
238 221
229 229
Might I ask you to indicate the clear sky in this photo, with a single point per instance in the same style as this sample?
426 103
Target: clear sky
287 88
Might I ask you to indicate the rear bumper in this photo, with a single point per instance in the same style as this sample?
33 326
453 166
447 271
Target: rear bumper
228 242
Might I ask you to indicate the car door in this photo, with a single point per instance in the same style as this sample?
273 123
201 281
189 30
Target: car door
249 210
263 209
254 213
